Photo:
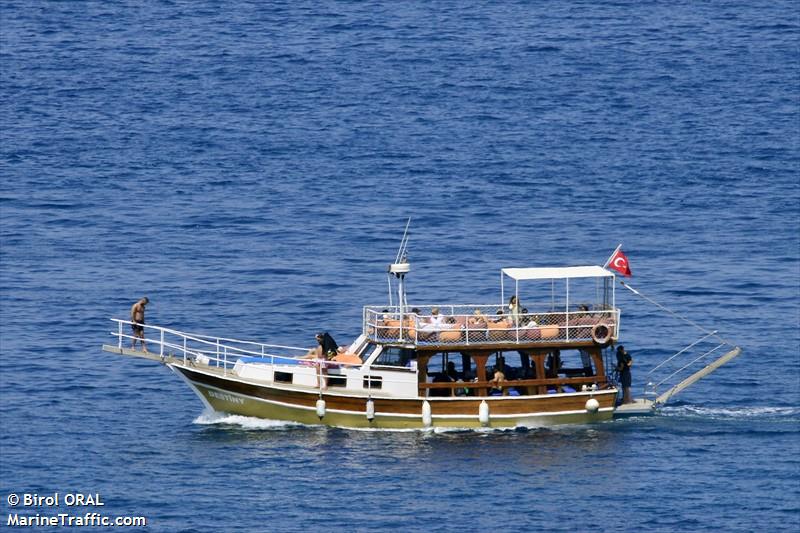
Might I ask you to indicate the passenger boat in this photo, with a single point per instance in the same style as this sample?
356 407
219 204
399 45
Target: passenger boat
430 366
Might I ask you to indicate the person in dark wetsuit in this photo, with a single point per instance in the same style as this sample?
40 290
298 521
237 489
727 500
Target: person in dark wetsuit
624 363
327 348
553 364
450 375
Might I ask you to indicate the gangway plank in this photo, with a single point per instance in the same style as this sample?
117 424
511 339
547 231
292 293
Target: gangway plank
700 374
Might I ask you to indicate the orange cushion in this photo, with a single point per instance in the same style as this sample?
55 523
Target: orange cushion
549 332
347 358
450 336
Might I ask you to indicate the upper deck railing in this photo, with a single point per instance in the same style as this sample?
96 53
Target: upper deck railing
482 325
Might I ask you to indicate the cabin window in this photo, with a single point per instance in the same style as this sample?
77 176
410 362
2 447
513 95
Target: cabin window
336 381
396 357
283 377
373 382
368 351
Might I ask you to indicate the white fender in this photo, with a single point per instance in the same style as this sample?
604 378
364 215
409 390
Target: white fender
592 405
320 408
483 413
370 410
427 417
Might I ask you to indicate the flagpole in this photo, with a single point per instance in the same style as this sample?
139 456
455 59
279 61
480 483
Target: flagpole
612 255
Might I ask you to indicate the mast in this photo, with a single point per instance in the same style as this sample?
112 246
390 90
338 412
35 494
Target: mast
400 268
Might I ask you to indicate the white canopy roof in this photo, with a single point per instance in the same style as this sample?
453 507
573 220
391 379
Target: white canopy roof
557 273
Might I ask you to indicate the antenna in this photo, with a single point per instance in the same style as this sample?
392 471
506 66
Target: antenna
399 269
402 253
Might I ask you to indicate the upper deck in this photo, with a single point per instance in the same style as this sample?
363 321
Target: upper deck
554 321
488 326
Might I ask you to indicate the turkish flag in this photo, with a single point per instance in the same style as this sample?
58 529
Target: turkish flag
620 263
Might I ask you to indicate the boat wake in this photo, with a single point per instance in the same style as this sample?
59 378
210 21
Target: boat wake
208 418
733 413
247 423
213 418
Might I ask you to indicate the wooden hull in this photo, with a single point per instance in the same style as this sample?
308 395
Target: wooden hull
230 394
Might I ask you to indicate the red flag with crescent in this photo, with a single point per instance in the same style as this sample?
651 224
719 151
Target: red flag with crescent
619 262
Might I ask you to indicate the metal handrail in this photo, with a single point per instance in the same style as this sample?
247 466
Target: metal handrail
692 345
219 347
687 365
200 337
218 351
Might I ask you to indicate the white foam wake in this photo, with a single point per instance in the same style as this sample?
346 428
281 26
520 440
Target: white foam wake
243 422
260 424
733 412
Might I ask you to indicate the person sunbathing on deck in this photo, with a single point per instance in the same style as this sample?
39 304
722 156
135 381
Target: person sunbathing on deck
477 320
433 322
437 323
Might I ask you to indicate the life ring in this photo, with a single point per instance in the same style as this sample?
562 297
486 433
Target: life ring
601 334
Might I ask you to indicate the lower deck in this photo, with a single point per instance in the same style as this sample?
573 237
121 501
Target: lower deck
237 396
224 390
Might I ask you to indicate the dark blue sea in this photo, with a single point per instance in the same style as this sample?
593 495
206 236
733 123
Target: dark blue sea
250 167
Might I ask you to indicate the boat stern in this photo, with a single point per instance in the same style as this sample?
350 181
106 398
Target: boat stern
639 407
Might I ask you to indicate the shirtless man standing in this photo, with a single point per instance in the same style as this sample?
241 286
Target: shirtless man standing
137 317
